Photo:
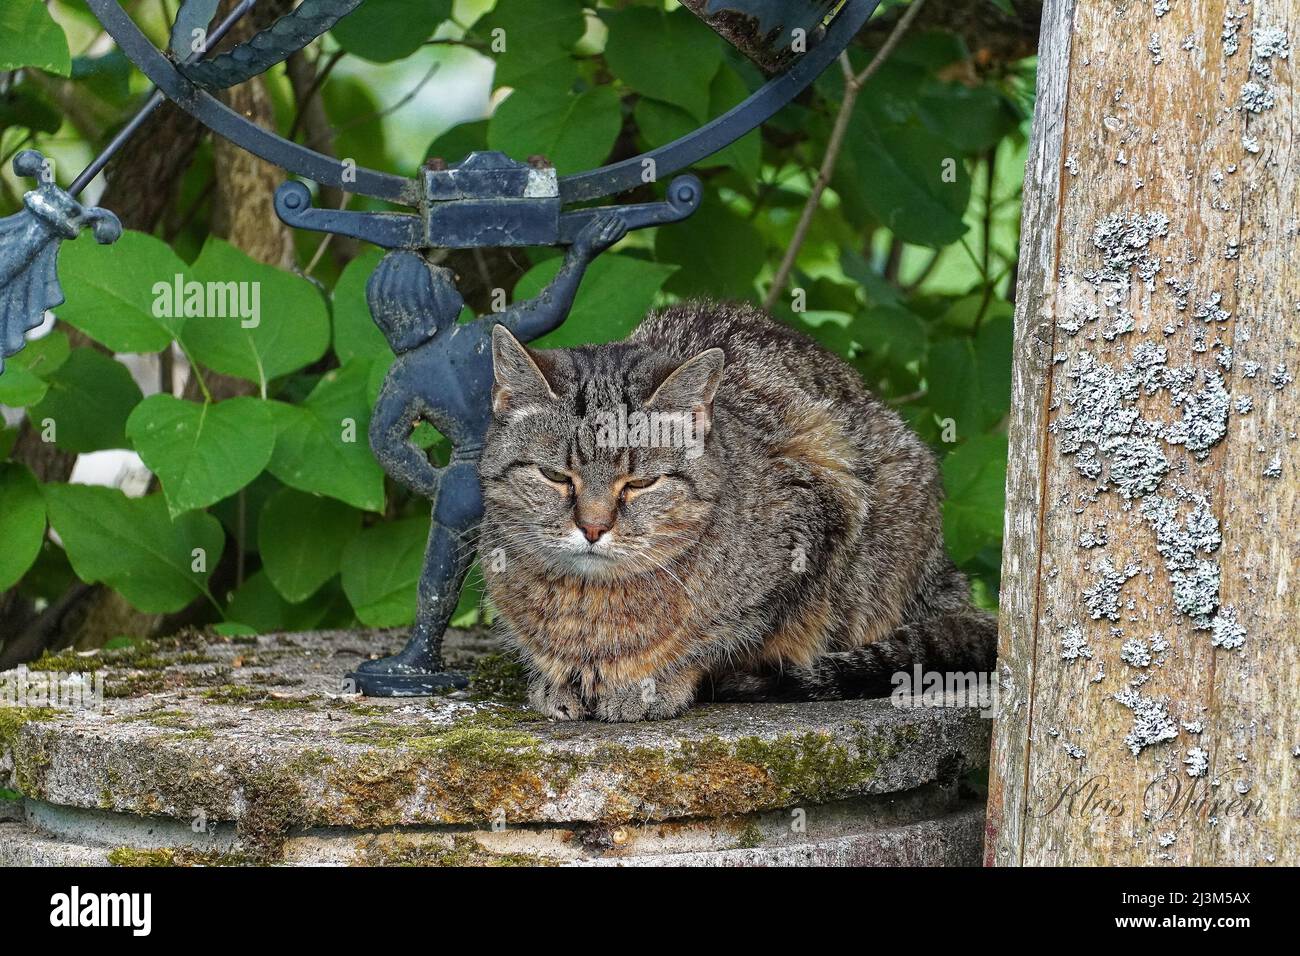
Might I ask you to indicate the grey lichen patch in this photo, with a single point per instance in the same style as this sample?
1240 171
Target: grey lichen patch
1195 581
1225 630
1135 653
1151 721
1102 599
1196 590
1266 45
1074 644
1205 417
1123 240
1138 467
1255 97
1231 28
1197 761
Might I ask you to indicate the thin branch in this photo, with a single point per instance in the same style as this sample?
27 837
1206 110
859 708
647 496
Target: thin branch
387 110
316 83
852 87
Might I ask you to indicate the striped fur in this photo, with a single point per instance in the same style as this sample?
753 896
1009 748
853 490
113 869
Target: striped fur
799 555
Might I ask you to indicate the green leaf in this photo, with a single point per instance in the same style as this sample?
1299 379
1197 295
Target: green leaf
25 107
231 629
892 332
30 37
22 522
993 346
290 329
386 30
574 131
321 445
975 478
108 76
459 141
302 538
258 606
539 40
115 294
667 56
970 378
355 332
381 570
662 123
134 547
356 115
616 294
469 609
972 118
720 253
89 400
202 452
24 381
896 175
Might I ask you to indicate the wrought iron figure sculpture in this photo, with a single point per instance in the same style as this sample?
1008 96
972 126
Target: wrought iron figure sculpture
443 370
443 376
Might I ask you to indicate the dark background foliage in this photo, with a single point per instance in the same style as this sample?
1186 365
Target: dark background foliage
253 504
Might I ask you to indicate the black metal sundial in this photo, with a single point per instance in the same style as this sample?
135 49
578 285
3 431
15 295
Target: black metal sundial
443 373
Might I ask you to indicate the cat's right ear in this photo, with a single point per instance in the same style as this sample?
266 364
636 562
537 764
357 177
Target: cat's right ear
518 384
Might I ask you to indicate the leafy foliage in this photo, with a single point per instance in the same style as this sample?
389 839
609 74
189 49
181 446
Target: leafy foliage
266 509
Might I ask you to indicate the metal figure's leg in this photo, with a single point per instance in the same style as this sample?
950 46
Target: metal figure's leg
417 671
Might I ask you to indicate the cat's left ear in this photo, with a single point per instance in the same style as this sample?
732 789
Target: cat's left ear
517 382
692 386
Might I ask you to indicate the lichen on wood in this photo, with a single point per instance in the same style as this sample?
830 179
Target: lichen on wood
1160 274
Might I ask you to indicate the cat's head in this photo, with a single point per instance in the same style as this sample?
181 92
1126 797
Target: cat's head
599 461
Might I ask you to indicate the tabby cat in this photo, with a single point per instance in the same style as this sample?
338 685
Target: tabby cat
715 508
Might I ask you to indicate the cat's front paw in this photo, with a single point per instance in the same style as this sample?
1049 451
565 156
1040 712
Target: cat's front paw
649 700
556 701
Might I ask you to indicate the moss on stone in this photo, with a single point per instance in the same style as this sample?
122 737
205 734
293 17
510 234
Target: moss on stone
499 677
14 719
30 763
142 655
286 703
126 856
751 835
462 851
235 694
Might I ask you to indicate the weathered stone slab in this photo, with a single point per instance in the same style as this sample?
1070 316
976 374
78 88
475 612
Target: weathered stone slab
252 745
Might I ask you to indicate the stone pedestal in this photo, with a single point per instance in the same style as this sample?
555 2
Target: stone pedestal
217 751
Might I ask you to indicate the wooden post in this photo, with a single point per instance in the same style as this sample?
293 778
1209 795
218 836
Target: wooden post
1150 661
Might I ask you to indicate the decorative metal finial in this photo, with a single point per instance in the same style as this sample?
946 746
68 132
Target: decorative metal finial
29 249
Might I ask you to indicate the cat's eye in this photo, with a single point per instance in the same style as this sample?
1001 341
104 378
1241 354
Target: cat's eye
640 484
550 474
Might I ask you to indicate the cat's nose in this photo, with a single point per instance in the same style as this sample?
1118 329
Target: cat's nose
593 530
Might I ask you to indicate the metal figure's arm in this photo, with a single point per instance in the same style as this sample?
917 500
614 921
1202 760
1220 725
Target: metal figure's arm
394 419
547 311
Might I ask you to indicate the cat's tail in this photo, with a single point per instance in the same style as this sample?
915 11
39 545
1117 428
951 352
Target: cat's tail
960 642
